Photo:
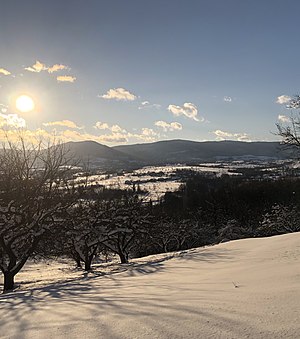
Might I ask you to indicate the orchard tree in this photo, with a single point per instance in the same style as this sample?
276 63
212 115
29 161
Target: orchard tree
32 194
82 231
169 234
124 222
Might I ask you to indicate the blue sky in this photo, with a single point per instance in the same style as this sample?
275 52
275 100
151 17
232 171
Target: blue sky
141 71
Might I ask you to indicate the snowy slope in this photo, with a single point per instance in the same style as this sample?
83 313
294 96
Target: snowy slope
242 289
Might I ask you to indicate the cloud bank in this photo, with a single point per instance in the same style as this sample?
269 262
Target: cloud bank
12 120
62 123
223 135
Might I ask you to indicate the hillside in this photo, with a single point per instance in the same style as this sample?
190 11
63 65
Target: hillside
92 149
97 154
176 151
173 151
241 289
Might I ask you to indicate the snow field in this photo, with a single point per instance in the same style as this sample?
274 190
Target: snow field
247 288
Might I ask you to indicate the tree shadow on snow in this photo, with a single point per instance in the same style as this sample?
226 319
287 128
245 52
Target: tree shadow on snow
206 254
97 295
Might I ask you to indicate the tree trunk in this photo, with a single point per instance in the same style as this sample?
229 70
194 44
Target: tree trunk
89 258
9 281
123 257
77 259
87 265
87 261
78 262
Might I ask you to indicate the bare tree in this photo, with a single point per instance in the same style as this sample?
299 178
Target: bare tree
32 190
280 219
169 234
290 131
82 231
124 221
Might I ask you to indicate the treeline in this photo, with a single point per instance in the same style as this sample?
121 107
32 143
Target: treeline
231 207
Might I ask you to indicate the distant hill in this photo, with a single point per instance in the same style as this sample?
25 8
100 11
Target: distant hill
176 151
97 154
172 151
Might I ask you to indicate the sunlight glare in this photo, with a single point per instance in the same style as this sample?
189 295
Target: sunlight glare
24 103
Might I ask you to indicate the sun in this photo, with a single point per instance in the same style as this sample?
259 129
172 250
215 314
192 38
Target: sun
24 103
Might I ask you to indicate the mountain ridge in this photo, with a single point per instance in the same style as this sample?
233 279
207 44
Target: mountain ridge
174 151
186 150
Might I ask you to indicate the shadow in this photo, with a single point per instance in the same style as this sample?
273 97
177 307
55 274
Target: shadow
151 265
69 284
94 291
207 254
103 304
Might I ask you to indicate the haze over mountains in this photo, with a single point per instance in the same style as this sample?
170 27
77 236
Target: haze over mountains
175 151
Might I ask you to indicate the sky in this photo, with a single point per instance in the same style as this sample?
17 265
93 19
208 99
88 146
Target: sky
134 71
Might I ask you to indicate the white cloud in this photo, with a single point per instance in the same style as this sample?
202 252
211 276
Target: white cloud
63 123
119 94
283 118
222 135
14 135
116 129
227 99
283 99
101 125
33 136
71 135
168 126
104 126
115 138
37 67
121 135
56 68
65 78
188 109
148 132
4 71
3 108
12 120
146 104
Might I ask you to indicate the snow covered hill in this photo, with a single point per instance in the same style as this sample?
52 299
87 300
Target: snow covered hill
241 289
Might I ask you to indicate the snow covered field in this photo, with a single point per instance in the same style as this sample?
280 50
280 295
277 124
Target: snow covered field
241 289
156 180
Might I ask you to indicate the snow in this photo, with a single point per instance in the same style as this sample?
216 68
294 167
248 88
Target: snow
156 180
247 288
